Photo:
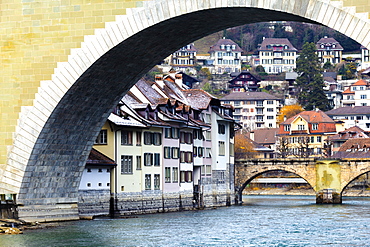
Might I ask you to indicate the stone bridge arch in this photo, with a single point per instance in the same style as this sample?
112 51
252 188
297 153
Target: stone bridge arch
352 169
59 86
247 170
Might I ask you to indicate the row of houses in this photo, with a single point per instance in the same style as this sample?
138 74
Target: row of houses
164 139
276 55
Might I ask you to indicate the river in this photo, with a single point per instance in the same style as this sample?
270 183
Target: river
261 221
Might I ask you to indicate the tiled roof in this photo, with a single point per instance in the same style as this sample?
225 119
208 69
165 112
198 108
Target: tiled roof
354 148
311 117
360 83
349 110
328 42
217 46
265 136
276 41
348 91
97 158
353 132
248 96
198 98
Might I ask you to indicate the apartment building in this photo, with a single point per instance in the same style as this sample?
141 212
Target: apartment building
254 110
277 55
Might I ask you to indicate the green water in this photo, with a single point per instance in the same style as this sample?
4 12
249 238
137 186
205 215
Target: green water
262 221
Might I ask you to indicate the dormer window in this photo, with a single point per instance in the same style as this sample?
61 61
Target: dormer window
233 47
315 126
222 47
286 127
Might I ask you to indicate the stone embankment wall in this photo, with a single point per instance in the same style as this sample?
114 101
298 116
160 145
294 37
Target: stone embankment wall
99 202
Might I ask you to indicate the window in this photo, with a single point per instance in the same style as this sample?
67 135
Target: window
167 133
221 148
270 109
167 152
138 162
221 129
102 137
186 137
301 127
286 127
157 159
167 174
270 117
186 176
208 153
175 153
312 139
315 126
138 138
148 181
270 102
236 103
195 151
208 135
200 151
157 182
175 174
363 96
126 137
126 164
318 138
148 159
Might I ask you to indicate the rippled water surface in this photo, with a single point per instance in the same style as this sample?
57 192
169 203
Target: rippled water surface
262 221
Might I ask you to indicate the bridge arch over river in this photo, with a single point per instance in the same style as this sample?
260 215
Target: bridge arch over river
65 65
322 175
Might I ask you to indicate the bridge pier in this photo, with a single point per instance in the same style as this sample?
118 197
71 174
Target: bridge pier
328 196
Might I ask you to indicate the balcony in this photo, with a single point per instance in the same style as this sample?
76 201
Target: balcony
294 132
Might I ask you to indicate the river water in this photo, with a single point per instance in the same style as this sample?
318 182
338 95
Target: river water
261 221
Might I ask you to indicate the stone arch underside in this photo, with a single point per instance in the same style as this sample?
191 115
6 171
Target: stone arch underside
255 172
358 169
84 89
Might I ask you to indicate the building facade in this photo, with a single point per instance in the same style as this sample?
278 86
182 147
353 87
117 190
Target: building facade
329 50
277 55
171 143
305 134
226 57
254 110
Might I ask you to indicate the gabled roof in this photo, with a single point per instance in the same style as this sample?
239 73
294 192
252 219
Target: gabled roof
199 98
349 110
97 158
360 83
311 117
217 46
265 136
248 96
348 91
267 42
353 132
328 42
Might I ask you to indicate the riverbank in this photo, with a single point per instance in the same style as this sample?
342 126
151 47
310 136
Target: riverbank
301 192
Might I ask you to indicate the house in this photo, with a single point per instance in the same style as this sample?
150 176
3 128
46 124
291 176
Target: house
169 140
97 174
243 82
253 110
305 134
329 50
339 139
184 59
265 137
277 55
226 56
352 116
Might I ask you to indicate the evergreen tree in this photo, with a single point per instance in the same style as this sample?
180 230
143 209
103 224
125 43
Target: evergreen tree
310 81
